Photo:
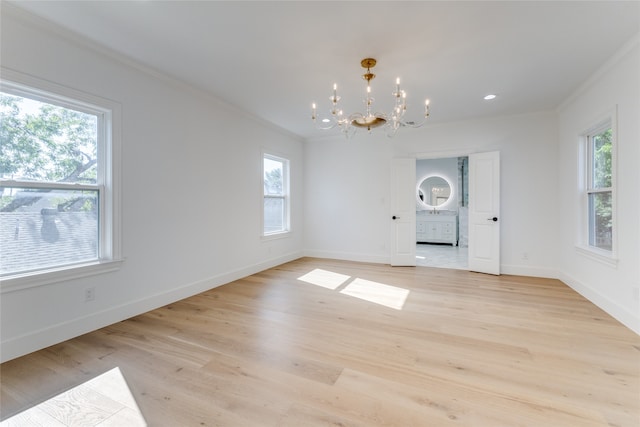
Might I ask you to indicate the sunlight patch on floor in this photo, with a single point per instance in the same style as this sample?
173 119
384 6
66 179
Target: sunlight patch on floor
324 278
104 400
379 293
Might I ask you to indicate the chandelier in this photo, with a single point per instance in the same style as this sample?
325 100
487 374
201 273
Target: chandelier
348 124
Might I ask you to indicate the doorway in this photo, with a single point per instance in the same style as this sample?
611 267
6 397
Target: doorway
442 215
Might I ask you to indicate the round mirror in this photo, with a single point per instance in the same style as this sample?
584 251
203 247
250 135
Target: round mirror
434 191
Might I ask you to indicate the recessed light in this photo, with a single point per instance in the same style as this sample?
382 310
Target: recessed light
490 96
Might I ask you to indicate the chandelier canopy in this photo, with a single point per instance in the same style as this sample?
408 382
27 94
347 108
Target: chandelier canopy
348 124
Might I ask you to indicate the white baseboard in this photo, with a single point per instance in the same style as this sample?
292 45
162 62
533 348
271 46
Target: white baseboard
348 256
518 270
527 270
621 314
45 337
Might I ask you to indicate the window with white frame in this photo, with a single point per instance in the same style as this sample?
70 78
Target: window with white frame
275 173
56 182
599 203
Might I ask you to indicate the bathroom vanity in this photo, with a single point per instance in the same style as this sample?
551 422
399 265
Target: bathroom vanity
435 223
435 228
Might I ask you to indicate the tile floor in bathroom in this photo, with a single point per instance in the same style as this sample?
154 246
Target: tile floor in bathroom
443 256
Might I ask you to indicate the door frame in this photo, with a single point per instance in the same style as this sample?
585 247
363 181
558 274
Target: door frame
444 154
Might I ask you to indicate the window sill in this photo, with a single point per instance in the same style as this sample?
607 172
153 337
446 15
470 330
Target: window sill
599 255
277 235
45 277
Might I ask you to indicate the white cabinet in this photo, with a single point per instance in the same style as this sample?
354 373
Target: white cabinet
432 228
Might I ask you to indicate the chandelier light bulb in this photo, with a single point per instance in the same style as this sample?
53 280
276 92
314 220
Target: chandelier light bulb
398 92
335 98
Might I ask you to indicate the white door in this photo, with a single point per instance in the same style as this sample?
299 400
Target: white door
403 212
484 212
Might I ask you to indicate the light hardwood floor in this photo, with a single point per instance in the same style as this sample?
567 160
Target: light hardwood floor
331 343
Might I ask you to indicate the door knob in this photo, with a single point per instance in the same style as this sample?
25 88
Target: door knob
494 219
395 217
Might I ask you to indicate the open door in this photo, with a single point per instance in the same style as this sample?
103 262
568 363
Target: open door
484 212
403 212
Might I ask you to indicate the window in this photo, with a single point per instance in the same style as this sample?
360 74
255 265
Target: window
275 174
57 183
599 187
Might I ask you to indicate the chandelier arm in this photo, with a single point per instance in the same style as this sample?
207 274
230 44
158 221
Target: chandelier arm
325 125
411 124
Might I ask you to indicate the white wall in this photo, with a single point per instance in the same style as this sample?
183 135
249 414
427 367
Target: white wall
347 195
615 288
191 192
347 183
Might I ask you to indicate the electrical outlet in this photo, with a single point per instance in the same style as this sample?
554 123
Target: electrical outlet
525 256
89 294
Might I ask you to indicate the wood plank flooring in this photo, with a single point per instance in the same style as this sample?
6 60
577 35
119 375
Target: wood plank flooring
319 342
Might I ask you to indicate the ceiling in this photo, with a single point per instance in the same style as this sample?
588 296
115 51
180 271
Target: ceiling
273 59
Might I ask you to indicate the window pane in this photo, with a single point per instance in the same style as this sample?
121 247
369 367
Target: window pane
273 214
273 177
600 234
601 149
45 228
45 142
